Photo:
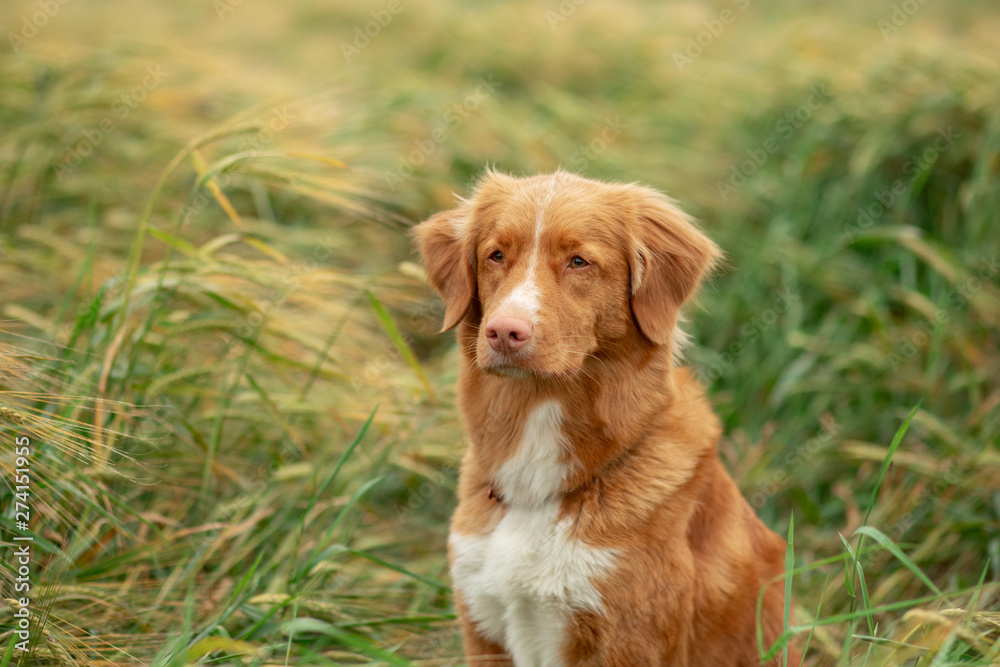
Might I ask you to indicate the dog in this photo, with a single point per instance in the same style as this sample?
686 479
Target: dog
595 522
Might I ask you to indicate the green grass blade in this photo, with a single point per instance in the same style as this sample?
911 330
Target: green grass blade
319 551
389 324
812 630
894 549
321 488
402 570
896 439
356 642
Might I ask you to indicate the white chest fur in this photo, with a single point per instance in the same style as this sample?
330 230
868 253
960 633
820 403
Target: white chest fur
524 580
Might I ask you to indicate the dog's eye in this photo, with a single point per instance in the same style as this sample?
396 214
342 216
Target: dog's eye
497 257
578 262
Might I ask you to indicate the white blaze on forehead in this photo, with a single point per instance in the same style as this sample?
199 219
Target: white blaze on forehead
525 299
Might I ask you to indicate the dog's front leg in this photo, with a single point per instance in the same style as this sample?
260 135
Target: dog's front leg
479 651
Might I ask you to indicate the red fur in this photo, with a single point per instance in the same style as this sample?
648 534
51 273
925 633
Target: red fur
646 478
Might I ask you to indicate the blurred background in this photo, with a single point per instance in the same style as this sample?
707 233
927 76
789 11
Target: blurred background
215 335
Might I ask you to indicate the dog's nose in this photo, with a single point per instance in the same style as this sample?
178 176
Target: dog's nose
507 334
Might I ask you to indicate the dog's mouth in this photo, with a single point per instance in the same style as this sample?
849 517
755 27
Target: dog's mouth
510 371
520 368
504 364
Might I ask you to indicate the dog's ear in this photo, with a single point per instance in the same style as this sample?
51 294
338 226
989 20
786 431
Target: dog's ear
450 262
670 257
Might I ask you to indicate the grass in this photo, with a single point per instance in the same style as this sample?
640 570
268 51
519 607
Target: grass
242 422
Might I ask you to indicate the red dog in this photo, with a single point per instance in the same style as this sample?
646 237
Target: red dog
595 524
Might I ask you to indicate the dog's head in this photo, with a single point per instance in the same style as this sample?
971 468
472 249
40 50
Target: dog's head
553 269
